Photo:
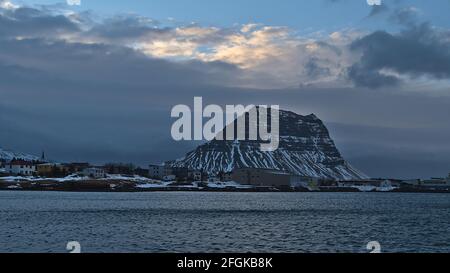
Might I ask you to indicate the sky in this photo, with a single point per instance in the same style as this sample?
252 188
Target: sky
96 80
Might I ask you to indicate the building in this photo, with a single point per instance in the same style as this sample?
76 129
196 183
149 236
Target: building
181 173
410 183
141 172
378 183
2 163
21 167
119 168
94 172
226 177
264 178
436 184
158 171
75 167
45 170
195 175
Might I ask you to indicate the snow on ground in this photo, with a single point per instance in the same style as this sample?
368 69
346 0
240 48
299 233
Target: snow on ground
147 183
75 177
132 178
15 179
223 185
195 185
373 188
153 185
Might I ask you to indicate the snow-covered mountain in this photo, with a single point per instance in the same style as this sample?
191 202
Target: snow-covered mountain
305 149
8 155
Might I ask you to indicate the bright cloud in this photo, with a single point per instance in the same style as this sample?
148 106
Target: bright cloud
267 56
73 2
5 4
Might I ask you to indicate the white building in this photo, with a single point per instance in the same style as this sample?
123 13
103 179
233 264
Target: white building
158 171
94 172
20 167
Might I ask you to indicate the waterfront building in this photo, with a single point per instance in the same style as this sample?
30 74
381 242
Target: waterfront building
158 171
21 167
94 172
46 169
436 184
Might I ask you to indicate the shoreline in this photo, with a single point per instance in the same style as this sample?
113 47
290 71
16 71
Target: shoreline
215 190
122 185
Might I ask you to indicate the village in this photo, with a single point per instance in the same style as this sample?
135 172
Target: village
20 174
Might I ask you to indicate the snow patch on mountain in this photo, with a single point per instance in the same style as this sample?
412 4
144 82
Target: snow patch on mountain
9 155
306 149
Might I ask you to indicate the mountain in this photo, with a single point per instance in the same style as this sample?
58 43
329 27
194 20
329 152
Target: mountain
8 155
305 148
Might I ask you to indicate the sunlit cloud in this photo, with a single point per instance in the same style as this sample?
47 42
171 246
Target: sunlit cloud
73 2
274 56
5 4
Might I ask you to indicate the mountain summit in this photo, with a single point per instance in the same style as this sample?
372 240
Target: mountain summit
305 148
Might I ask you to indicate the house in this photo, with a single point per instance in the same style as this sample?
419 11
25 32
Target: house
226 176
141 172
45 170
20 167
158 171
113 168
75 167
410 183
181 173
195 175
94 172
436 184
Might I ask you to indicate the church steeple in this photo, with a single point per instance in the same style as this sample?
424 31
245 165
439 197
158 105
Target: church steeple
43 156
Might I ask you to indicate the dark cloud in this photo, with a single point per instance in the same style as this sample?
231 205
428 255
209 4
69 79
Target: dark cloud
408 153
378 9
315 70
405 16
31 22
123 27
418 51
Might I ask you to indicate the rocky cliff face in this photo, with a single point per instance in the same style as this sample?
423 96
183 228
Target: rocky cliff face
305 149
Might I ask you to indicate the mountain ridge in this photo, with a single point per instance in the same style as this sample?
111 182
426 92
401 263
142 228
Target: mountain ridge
7 155
306 149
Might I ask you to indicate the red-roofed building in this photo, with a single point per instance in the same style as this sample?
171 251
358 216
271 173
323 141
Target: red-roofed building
21 167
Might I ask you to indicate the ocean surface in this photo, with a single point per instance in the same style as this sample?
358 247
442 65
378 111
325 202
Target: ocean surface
224 222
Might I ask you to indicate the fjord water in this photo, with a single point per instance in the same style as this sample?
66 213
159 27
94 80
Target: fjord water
224 222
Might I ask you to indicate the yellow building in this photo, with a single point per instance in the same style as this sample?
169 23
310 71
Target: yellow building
45 169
